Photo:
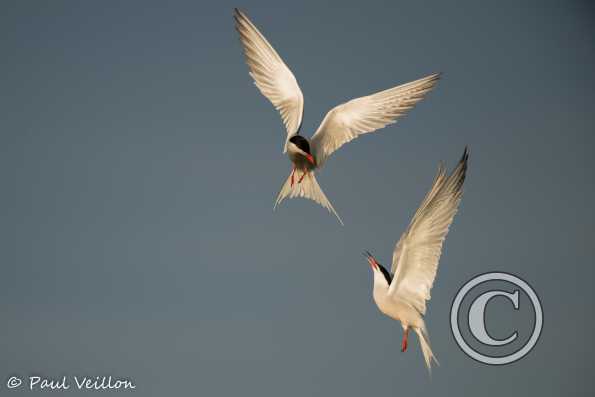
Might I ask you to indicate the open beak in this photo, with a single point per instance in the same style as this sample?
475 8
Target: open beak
371 260
311 159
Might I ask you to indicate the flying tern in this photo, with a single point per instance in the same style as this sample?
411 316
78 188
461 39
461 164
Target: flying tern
402 293
340 125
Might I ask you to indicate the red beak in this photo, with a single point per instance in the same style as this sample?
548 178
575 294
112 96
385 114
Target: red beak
371 260
311 159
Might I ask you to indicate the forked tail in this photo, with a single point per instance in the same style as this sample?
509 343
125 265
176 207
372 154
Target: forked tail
307 188
424 342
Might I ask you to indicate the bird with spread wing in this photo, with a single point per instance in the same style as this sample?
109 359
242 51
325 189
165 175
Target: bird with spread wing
402 293
341 124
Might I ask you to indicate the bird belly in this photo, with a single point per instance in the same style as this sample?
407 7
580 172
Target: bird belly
400 311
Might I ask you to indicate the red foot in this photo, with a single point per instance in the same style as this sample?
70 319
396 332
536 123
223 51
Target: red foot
292 172
404 342
302 177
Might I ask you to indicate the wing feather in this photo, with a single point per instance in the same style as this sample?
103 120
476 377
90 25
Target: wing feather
359 116
417 253
272 77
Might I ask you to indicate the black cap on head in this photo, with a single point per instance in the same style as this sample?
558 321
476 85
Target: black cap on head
301 142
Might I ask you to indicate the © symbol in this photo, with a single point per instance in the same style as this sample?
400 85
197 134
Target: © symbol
476 318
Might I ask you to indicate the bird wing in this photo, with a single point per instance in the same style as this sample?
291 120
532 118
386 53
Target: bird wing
416 255
272 77
366 114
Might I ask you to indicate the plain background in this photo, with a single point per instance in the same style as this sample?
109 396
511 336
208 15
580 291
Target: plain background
139 166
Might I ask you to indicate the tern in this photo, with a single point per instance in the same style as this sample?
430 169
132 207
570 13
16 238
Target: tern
402 293
340 125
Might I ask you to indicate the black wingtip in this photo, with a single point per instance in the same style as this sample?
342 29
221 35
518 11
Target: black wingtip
239 18
434 77
462 174
465 155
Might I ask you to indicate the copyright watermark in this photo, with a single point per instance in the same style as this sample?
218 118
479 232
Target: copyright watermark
14 382
95 383
520 310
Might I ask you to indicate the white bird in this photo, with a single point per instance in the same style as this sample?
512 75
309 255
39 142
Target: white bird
402 293
340 125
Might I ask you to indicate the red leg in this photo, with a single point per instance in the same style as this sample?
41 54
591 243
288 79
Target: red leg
302 177
292 172
404 343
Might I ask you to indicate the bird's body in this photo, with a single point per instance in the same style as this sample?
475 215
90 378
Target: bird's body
401 294
341 124
394 307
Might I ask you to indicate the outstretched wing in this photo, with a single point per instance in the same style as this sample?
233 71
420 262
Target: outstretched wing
272 77
416 255
366 114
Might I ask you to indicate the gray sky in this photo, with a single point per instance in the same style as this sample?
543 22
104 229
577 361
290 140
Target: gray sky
140 165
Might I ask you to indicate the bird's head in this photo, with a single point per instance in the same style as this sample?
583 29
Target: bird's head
374 265
299 144
378 270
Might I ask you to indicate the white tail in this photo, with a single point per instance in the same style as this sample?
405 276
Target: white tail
308 188
424 342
